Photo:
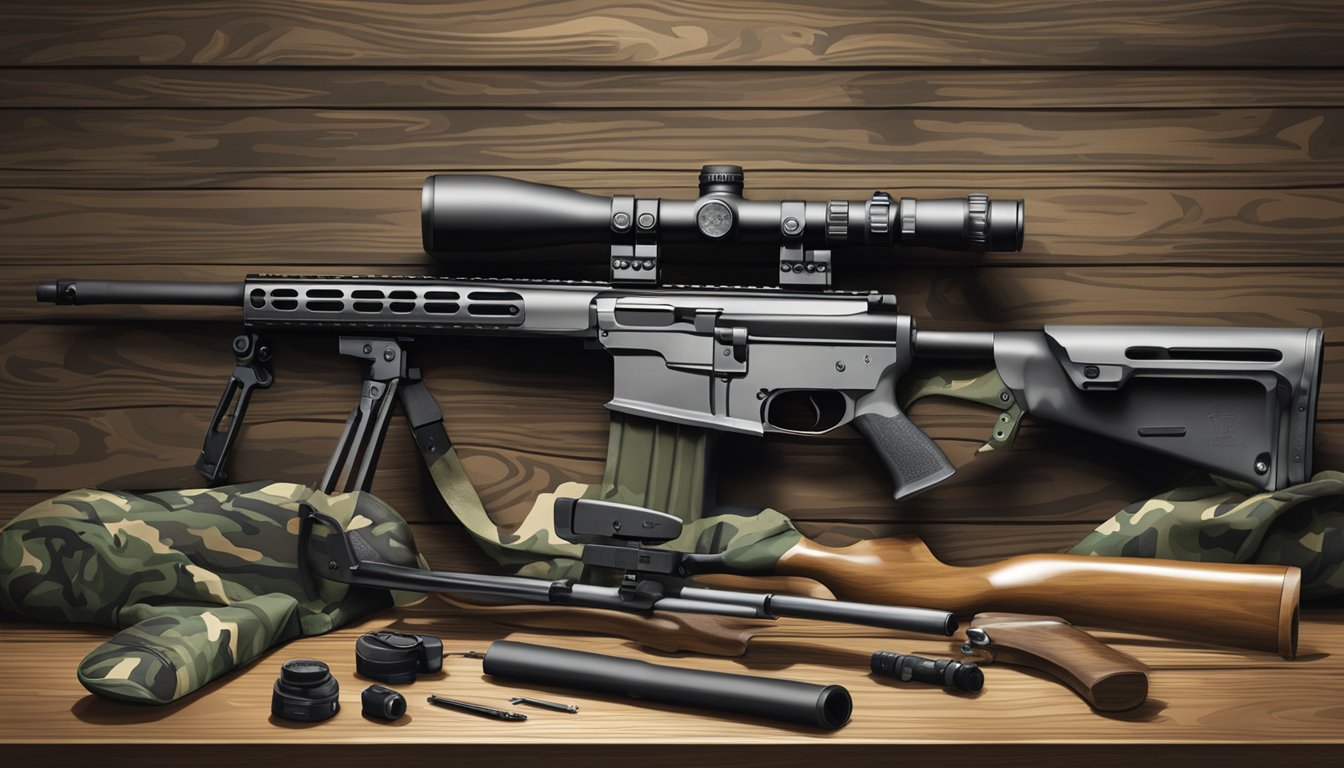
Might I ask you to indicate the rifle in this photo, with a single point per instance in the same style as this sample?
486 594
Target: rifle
650 582
692 363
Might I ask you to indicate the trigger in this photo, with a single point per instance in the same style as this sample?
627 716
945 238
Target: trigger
1005 429
816 410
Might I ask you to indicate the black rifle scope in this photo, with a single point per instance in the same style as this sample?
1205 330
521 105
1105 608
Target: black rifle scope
462 214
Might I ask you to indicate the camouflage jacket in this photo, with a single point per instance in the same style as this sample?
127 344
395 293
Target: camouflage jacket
199 582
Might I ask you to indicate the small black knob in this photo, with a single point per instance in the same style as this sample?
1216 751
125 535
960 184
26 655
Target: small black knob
382 703
722 179
837 221
977 221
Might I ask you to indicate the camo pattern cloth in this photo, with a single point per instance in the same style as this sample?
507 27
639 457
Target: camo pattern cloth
199 582
1298 526
1302 526
639 450
662 466
973 385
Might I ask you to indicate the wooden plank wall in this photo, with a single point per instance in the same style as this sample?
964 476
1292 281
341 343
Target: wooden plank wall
1181 162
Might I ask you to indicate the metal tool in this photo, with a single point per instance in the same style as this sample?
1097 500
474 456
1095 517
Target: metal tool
555 705
476 709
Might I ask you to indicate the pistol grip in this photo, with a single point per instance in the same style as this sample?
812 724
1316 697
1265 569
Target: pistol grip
912 459
1107 679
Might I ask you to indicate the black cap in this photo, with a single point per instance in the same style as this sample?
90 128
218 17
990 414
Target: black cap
304 673
722 179
382 703
305 692
968 677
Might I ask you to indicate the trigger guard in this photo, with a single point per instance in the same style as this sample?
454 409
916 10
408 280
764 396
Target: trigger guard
845 418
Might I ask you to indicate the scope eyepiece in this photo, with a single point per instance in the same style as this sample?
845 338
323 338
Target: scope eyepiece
488 213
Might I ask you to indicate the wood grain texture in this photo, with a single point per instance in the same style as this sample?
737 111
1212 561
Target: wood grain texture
221 142
1248 606
889 177
1181 163
328 229
1246 698
572 33
1023 755
1107 679
187 87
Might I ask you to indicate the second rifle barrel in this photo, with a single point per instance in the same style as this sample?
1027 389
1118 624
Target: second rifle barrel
76 292
896 617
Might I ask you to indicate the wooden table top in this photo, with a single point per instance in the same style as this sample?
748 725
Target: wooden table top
1199 697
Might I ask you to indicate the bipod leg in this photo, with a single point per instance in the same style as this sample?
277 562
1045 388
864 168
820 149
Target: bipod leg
356 455
252 369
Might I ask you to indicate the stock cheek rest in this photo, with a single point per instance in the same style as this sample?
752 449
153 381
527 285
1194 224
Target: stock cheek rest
199 582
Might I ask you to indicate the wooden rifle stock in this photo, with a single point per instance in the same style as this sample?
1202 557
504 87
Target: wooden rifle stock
1107 679
1246 606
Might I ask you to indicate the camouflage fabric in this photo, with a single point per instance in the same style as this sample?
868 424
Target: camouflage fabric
1223 523
649 464
199 582
973 385
662 466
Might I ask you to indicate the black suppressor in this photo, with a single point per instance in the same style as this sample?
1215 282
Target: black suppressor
821 706
487 213
948 673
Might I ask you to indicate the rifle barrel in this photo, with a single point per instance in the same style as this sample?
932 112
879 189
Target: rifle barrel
75 292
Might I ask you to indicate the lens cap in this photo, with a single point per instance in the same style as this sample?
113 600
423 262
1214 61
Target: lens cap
396 658
306 692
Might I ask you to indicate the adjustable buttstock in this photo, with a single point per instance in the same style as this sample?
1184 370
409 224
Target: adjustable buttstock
1239 402
1107 679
